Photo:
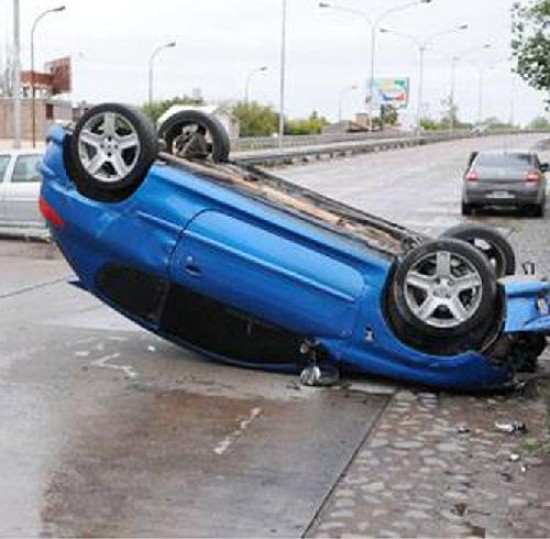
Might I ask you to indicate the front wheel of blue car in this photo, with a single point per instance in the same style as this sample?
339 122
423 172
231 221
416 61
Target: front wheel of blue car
193 134
110 151
443 297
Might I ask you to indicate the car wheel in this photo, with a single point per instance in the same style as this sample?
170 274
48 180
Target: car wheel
180 130
443 297
493 245
466 209
110 151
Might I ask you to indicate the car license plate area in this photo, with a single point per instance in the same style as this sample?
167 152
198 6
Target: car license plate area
500 194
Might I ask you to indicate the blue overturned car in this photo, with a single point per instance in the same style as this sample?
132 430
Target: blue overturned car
249 269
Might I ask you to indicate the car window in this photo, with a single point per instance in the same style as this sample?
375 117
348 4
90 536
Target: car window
4 162
505 160
27 168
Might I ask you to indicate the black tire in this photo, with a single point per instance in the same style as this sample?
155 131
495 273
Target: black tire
466 209
439 271
538 210
493 245
110 151
216 134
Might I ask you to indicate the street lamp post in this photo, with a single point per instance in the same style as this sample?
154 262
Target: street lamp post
343 92
373 24
422 47
481 71
281 131
247 82
33 89
16 77
454 61
151 60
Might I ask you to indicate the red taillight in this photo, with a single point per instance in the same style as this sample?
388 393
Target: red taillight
533 176
49 213
472 176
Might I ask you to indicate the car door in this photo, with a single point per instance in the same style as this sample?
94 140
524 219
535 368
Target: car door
22 190
273 275
4 166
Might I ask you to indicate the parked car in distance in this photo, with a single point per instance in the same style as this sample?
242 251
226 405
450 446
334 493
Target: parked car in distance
20 181
508 178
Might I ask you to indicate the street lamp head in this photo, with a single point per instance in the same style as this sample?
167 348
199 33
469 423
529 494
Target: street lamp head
425 1
324 4
263 68
171 44
486 46
385 31
463 27
60 8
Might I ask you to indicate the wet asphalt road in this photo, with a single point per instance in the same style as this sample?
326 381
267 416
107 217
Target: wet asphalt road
106 430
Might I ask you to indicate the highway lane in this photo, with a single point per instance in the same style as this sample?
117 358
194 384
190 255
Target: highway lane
418 187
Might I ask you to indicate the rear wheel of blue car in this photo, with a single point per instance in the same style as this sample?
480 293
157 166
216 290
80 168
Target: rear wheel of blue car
110 151
493 245
443 297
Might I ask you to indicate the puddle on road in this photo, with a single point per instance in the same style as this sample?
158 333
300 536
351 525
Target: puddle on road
148 462
129 454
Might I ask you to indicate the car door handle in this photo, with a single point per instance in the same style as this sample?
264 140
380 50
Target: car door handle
191 267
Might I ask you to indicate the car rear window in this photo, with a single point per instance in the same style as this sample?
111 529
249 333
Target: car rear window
506 160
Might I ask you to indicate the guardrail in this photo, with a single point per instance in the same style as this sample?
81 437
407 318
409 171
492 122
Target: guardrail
295 154
261 143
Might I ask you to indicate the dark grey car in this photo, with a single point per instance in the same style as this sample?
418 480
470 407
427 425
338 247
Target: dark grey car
509 178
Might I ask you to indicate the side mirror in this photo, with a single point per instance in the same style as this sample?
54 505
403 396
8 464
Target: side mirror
544 167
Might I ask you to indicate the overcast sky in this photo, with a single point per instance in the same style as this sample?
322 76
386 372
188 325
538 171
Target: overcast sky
220 41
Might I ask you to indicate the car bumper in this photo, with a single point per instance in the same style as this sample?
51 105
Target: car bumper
503 197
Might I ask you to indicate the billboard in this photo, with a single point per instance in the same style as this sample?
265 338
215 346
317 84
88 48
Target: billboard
393 91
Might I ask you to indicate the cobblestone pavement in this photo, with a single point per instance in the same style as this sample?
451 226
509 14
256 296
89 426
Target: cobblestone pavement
436 466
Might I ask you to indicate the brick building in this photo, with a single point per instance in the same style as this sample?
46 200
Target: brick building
48 111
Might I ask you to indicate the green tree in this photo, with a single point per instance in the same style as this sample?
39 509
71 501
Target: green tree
426 124
309 126
157 108
450 114
255 120
539 123
531 42
388 116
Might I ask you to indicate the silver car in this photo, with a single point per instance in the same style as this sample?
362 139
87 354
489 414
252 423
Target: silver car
20 188
508 178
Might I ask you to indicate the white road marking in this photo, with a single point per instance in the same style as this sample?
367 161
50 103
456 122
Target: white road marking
104 363
229 440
